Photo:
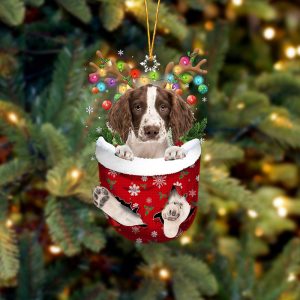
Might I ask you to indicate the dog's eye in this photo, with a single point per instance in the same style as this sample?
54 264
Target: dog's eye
163 107
137 107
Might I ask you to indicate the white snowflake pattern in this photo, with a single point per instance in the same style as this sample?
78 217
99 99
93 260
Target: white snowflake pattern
154 234
192 193
149 200
159 181
139 241
155 64
135 230
144 178
112 173
134 190
204 99
202 140
134 205
177 183
120 52
197 178
89 109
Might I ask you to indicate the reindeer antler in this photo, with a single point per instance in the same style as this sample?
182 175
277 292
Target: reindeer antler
189 67
111 68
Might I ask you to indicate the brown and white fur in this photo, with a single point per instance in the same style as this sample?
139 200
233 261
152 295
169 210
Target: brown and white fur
143 117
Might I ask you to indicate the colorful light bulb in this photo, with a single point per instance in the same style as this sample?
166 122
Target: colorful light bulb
153 75
101 86
122 88
170 78
111 82
106 104
177 69
184 61
191 99
198 79
135 73
117 96
93 78
202 89
120 65
175 86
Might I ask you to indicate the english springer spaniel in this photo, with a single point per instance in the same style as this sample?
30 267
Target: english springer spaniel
143 117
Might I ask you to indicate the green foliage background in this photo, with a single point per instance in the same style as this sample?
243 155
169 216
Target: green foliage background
244 244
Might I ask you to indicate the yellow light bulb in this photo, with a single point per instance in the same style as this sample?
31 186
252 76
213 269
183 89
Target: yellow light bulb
252 214
13 117
290 52
237 2
273 116
102 72
164 274
54 249
122 88
209 25
282 212
278 66
269 33
130 3
184 240
9 223
259 232
144 80
278 201
292 277
241 105
207 157
222 211
177 69
75 173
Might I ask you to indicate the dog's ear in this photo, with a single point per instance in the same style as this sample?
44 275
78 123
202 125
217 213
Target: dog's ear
119 117
181 117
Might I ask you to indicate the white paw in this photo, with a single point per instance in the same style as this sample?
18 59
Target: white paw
100 196
124 152
171 212
174 152
174 214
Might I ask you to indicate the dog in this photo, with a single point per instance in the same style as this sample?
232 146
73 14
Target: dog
144 117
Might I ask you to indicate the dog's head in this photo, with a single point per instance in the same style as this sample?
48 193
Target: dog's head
150 111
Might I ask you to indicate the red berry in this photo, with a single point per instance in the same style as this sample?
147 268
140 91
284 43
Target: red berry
106 104
135 73
191 99
95 90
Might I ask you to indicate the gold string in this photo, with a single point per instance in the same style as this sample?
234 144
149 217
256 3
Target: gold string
151 43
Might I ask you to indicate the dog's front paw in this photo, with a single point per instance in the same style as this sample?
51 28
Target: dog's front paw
100 196
174 152
124 152
171 212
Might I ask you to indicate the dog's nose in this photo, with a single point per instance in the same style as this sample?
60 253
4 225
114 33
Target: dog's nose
151 131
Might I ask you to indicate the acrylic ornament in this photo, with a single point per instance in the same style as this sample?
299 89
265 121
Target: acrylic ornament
128 183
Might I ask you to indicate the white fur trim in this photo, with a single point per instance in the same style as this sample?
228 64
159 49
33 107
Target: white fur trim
105 154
